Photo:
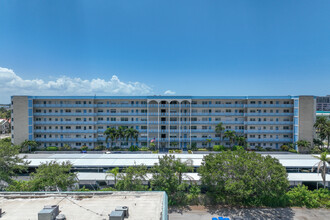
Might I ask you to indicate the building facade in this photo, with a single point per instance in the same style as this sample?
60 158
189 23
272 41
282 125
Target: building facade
170 121
323 103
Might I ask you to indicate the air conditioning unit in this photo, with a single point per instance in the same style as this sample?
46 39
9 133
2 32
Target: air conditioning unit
116 215
49 212
124 209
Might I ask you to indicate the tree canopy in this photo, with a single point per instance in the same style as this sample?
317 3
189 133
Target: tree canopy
10 162
243 178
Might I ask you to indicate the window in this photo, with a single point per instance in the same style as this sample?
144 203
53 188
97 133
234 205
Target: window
125 119
228 110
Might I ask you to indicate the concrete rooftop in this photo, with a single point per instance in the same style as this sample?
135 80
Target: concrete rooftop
84 205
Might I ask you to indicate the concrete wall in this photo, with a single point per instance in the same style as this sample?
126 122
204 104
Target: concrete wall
307 117
20 132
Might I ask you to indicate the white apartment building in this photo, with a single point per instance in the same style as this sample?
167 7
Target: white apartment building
266 121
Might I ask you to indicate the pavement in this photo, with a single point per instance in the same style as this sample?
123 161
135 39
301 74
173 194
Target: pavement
207 213
2 136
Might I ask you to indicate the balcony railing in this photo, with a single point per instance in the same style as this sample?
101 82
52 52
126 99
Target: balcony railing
270 131
66 139
269 114
270 140
63 131
64 122
269 122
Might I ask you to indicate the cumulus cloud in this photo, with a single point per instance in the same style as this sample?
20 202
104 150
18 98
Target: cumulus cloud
169 92
12 84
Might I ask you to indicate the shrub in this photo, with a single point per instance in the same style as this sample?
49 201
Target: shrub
284 147
259 148
84 147
155 151
302 197
65 147
194 146
178 151
218 148
170 151
202 149
293 151
236 147
133 148
52 148
144 149
100 147
190 152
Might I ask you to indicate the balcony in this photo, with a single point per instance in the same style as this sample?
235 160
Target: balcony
269 123
269 106
64 122
269 131
64 105
63 131
66 139
288 140
269 114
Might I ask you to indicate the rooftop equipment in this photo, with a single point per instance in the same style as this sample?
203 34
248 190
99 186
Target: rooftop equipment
124 209
116 215
49 212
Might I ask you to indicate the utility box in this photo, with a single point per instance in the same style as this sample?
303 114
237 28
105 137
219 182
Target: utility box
116 215
124 209
48 212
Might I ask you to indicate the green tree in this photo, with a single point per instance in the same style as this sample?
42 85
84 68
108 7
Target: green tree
131 134
29 145
113 172
166 177
111 134
219 128
133 178
152 146
241 141
10 162
121 134
231 136
303 145
53 176
209 141
322 166
322 126
243 178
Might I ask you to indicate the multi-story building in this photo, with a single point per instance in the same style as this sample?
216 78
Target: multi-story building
323 103
267 121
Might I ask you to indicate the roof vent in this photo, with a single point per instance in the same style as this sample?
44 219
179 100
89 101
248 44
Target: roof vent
124 209
49 212
116 215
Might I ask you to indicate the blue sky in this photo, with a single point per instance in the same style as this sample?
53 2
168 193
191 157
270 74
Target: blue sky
189 47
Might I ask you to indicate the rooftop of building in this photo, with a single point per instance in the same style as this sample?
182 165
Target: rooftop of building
124 160
84 205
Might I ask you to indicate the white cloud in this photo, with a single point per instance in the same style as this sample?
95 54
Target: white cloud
169 92
12 84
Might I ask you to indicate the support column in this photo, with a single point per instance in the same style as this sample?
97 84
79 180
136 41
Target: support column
190 125
169 124
147 124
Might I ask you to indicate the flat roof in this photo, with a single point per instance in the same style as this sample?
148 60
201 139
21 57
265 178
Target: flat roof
125 160
162 97
299 177
84 205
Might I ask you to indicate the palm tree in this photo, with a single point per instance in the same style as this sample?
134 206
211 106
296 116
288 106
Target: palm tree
113 172
303 144
219 129
322 125
111 133
209 140
231 135
241 141
132 133
322 166
121 133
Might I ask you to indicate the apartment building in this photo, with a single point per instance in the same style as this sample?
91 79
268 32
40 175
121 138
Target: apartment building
170 121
